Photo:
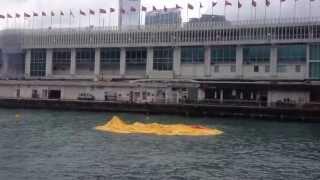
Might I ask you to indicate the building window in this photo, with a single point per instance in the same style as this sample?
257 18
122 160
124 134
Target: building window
282 69
110 56
315 52
267 68
256 68
61 59
256 54
315 70
136 58
223 55
85 59
192 55
233 68
291 54
298 68
163 59
18 93
216 69
38 62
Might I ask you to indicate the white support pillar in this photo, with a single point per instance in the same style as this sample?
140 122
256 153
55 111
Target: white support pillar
149 67
307 75
73 62
5 64
207 61
122 62
177 61
274 61
239 61
97 62
49 54
221 96
27 66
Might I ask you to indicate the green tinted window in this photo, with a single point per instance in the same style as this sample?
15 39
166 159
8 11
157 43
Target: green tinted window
256 54
315 52
315 70
223 54
192 55
291 53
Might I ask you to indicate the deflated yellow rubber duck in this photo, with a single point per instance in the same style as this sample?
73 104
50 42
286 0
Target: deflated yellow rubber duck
116 125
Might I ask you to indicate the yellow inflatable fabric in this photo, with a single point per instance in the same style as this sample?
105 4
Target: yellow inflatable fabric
116 125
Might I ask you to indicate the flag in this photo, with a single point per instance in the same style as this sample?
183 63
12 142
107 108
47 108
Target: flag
282 1
17 15
254 3
35 14
144 8
61 13
178 7
154 8
122 11
44 14
227 3
165 9
268 3
71 13
102 11
214 4
132 9
9 16
82 13
239 4
112 10
91 11
52 13
312 0
2 16
190 6
26 15
201 6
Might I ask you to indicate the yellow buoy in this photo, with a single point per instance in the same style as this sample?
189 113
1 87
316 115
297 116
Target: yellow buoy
116 125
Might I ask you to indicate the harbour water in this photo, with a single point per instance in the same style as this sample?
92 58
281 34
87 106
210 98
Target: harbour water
44 144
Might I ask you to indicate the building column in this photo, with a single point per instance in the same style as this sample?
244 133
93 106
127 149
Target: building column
49 54
122 62
239 61
177 61
5 64
273 61
27 66
307 74
221 96
149 67
97 63
207 61
73 62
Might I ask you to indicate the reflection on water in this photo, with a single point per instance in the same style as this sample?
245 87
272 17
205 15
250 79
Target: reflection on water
64 145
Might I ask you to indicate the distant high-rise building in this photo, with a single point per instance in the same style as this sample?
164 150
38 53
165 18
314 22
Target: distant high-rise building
208 18
167 16
129 12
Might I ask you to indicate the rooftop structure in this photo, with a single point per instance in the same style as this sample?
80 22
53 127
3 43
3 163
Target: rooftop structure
163 16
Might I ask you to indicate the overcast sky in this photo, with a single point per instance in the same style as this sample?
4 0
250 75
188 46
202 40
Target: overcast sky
246 12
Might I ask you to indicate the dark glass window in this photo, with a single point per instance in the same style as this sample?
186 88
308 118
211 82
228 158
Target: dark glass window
38 62
192 55
291 53
223 54
256 54
163 59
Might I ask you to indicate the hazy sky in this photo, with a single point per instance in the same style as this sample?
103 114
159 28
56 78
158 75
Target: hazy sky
246 12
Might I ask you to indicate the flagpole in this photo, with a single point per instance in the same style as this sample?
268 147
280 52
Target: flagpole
295 8
280 8
265 12
310 9
238 12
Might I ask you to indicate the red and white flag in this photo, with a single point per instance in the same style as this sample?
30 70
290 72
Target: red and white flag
82 13
44 14
268 3
201 6
143 8
112 10
91 12
239 5
9 16
214 4
178 7
35 14
102 11
26 15
190 6
254 3
17 15
154 8
132 9
227 3
2 16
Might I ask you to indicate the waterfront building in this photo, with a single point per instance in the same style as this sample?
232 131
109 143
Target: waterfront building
164 16
263 63
208 18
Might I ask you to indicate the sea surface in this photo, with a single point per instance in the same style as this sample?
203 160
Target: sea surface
58 145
